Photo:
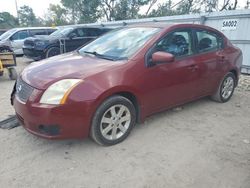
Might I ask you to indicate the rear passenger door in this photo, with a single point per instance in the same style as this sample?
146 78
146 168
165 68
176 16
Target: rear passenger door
209 51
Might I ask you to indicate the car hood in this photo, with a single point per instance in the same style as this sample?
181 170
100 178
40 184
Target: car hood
5 43
45 38
48 37
42 74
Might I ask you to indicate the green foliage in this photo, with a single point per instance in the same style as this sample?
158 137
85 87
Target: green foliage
163 10
188 6
82 11
7 21
56 15
27 17
121 9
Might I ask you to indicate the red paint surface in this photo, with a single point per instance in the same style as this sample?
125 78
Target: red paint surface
156 88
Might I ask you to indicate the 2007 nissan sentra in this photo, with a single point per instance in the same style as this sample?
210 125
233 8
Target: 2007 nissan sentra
106 87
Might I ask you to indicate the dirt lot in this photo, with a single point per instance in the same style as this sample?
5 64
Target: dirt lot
202 145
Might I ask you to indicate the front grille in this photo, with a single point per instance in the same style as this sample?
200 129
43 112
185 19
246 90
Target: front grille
23 90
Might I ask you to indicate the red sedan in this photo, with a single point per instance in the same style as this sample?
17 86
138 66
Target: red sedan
119 79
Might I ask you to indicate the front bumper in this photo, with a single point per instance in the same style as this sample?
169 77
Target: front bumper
55 121
33 53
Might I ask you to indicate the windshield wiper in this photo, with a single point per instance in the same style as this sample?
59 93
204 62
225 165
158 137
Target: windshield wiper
100 55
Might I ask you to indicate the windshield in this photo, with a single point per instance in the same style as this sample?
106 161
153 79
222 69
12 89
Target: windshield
7 34
62 32
120 44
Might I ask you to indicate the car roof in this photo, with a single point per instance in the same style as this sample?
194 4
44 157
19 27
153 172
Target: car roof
29 28
167 25
85 26
163 25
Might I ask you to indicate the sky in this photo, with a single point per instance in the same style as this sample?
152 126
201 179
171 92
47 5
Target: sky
40 6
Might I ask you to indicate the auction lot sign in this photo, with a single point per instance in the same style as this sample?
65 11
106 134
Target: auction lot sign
229 24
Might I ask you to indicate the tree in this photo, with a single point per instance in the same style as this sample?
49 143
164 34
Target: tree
163 10
229 5
247 4
151 4
57 15
122 9
108 9
27 17
83 11
7 20
188 6
214 5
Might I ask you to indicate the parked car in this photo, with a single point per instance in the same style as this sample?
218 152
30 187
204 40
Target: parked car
124 76
2 31
13 39
65 39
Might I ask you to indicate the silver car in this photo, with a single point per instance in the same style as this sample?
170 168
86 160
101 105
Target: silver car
13 39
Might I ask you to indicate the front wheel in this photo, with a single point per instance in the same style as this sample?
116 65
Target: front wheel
226 88
53 51
113 121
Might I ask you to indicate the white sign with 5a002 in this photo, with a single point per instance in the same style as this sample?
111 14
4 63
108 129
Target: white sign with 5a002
229 24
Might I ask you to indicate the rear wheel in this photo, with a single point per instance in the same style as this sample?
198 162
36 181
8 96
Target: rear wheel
226 88
113 121
53 51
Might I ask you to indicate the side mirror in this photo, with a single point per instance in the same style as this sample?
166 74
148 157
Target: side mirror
162 57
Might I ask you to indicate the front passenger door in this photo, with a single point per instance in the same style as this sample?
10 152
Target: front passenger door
173 83
17 41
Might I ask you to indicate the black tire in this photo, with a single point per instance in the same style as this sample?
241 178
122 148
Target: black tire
218 96
97 124
53 51
12 73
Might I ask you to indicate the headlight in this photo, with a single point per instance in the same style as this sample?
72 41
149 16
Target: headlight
40 43
58 92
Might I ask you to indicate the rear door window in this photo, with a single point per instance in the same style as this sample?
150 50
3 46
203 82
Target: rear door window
94 32
34 32
208 41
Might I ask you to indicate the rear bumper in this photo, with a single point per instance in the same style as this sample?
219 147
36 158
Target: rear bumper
33 53
55 121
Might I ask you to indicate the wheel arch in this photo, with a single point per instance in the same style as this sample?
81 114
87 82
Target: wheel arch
235 74
51 46
130 95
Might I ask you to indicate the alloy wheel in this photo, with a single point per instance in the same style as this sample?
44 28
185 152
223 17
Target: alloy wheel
227 87
115 122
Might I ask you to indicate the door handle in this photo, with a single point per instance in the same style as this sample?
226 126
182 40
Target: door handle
193 67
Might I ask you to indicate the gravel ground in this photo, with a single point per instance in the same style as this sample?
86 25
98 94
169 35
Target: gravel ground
204 144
